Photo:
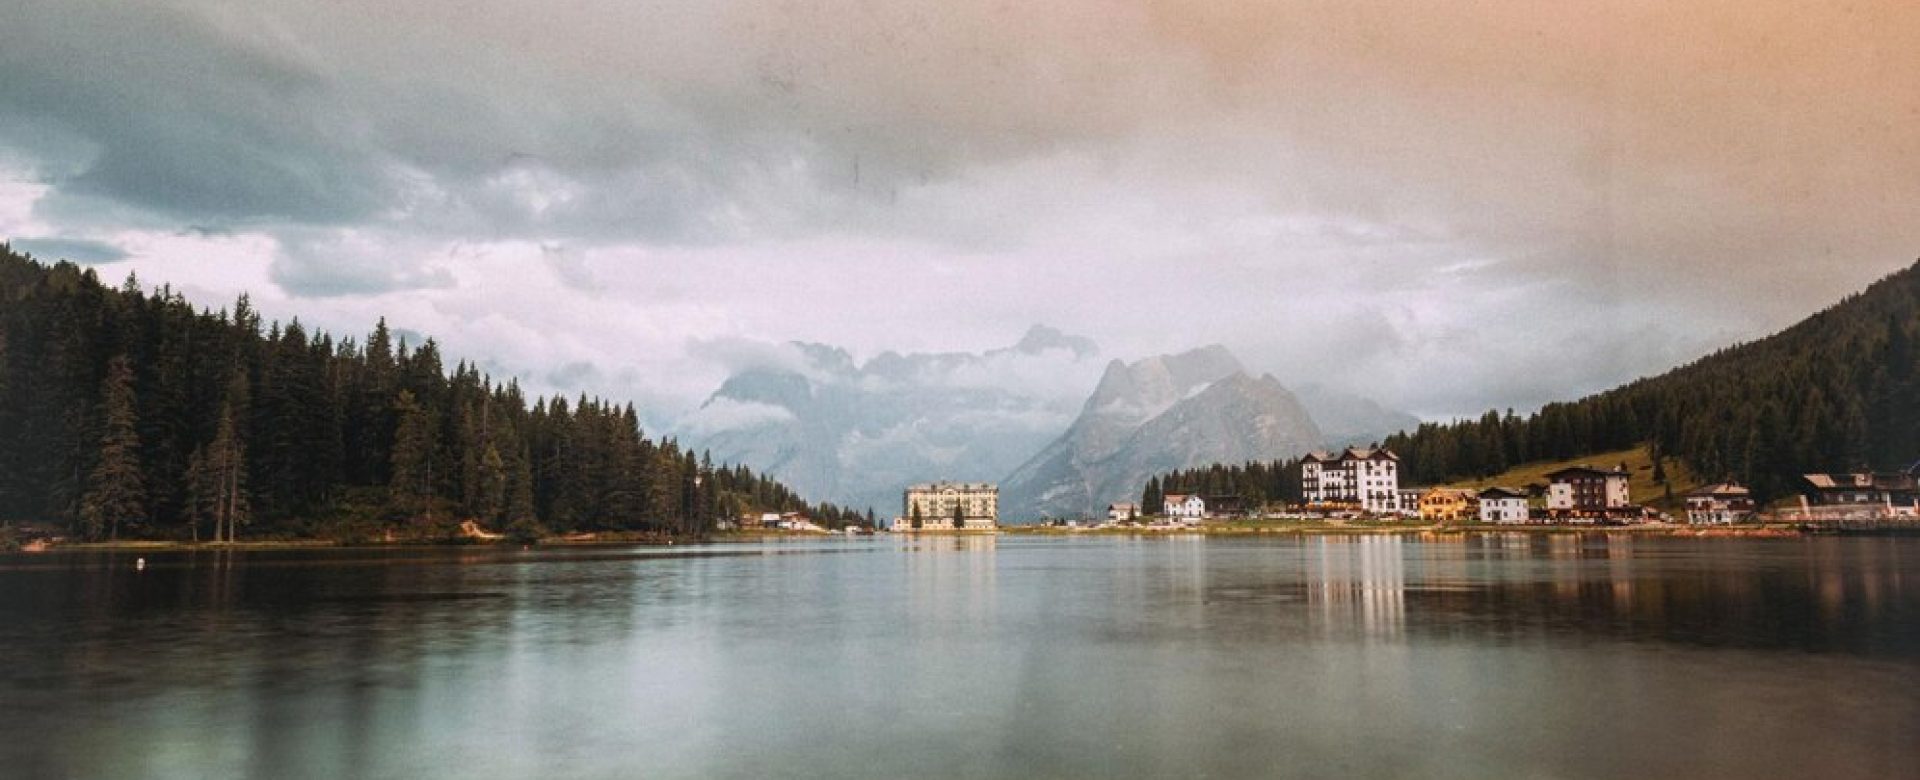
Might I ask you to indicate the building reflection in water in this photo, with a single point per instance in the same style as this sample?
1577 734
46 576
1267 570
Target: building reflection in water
952 576
1359 580
1186 562
1620 570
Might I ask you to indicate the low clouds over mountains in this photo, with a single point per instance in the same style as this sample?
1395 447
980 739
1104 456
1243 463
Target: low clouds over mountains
1064 431
856 433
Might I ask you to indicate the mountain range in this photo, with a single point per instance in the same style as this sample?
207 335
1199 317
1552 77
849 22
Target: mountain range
1155 415
859 433
856 434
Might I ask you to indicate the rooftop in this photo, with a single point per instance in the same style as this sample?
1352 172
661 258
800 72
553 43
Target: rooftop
1351 453
1584 469
924 486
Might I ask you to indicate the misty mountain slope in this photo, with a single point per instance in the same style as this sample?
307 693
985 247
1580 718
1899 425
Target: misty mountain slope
1239 418
856 434
1159 413
1058 477
1130 395
1351 420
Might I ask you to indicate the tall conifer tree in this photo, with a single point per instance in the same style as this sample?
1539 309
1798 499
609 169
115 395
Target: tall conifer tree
116 492
411 489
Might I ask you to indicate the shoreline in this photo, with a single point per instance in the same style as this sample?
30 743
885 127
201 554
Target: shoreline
166 545
1752 531
1760 531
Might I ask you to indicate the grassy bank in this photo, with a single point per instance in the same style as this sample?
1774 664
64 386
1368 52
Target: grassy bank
1641 487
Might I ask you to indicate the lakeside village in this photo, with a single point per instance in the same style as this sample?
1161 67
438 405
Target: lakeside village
1363 484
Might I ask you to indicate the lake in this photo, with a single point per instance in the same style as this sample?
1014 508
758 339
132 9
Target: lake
1016 656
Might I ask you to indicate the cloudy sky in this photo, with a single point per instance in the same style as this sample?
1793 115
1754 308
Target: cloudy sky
1446 205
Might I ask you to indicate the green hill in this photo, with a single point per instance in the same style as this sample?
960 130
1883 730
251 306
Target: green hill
1641 486
1838 390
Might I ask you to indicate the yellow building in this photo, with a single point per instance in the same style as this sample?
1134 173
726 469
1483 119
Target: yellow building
1449 505
933 506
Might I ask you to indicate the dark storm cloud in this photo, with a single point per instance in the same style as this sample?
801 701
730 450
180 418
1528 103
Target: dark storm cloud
176 119
673 122
1433 177
78 250
332 264
177 111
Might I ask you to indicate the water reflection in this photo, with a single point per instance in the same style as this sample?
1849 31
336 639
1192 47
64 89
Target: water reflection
951 575
973 656
1362 578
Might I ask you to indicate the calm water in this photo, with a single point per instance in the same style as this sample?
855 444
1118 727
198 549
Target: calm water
1010 657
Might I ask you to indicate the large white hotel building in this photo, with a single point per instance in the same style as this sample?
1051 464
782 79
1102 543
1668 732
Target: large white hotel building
1367 479
978 502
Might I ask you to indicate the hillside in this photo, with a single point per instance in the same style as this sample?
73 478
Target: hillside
1641 486
1838 390
127 413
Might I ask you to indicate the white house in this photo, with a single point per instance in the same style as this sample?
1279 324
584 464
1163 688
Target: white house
1719 504
1505 506
1180 506
1120 513
1366 478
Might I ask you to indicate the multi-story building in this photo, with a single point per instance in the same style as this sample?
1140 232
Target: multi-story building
1504 506
1226 506
1181 506
1720 504
936 504
1448 505
1585 489
1366 479
1410 500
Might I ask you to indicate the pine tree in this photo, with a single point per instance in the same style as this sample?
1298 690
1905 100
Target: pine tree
115 492
411 490
915 521
520 516
199 492
11 492
217 483
227 462
492 493
959 516
1151 499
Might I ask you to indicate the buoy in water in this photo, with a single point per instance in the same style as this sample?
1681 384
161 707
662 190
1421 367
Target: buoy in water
139 564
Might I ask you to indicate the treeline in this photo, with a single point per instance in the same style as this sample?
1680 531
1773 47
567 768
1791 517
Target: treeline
129 413
1837 391
1257 482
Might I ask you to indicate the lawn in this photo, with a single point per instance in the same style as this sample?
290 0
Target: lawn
1640 486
